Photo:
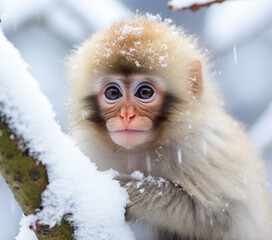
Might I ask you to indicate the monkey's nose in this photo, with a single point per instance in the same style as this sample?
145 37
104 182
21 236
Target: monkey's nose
127 114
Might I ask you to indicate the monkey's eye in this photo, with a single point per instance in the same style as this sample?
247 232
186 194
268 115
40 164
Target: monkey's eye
144 92
112 93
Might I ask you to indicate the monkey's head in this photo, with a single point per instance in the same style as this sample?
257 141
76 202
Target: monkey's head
128 80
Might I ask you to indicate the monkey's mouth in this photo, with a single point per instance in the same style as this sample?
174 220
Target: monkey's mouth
130 137
129 131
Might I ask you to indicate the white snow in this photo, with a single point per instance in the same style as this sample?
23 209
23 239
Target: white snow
137 175
25 233
179 4
141 178
95 201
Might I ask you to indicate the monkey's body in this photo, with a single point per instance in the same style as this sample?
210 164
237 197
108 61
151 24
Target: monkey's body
214 183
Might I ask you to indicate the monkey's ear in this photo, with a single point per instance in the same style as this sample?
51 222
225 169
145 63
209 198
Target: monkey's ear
196 78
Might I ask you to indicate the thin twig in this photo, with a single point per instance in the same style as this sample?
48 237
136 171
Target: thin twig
194 7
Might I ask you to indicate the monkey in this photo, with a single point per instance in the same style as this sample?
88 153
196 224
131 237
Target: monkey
144 103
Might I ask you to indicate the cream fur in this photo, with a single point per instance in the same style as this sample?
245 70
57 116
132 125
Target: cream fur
219 189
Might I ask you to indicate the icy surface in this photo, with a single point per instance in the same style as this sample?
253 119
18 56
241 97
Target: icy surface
95 201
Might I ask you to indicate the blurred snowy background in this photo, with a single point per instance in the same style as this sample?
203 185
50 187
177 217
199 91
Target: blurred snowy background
238 34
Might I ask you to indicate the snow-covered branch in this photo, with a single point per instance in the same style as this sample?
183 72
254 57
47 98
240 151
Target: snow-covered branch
193 5
91 200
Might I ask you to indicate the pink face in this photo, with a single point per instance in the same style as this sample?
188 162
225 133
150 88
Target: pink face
130 109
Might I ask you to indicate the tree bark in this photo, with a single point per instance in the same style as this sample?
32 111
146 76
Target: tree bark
27 179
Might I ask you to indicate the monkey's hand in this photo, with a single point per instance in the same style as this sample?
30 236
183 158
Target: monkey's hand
162 203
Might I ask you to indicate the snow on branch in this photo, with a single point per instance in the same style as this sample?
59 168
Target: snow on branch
193 5
91 201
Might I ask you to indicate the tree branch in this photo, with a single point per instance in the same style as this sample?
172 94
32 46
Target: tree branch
27 180
177 5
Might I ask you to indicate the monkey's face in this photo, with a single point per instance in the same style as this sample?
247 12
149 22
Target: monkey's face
129 107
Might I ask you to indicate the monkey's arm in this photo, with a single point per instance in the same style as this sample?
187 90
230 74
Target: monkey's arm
163 204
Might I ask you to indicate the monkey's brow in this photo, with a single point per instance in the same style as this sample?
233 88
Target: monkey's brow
126 79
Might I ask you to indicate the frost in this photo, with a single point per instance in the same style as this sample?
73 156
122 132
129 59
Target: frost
191 46
109 52
95 203
141 190
168 21
193 78
137 175
11 137
137 64
164 46
84 114
137 43
162 58
152 17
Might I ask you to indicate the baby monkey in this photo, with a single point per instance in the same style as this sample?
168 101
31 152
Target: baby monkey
142 100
